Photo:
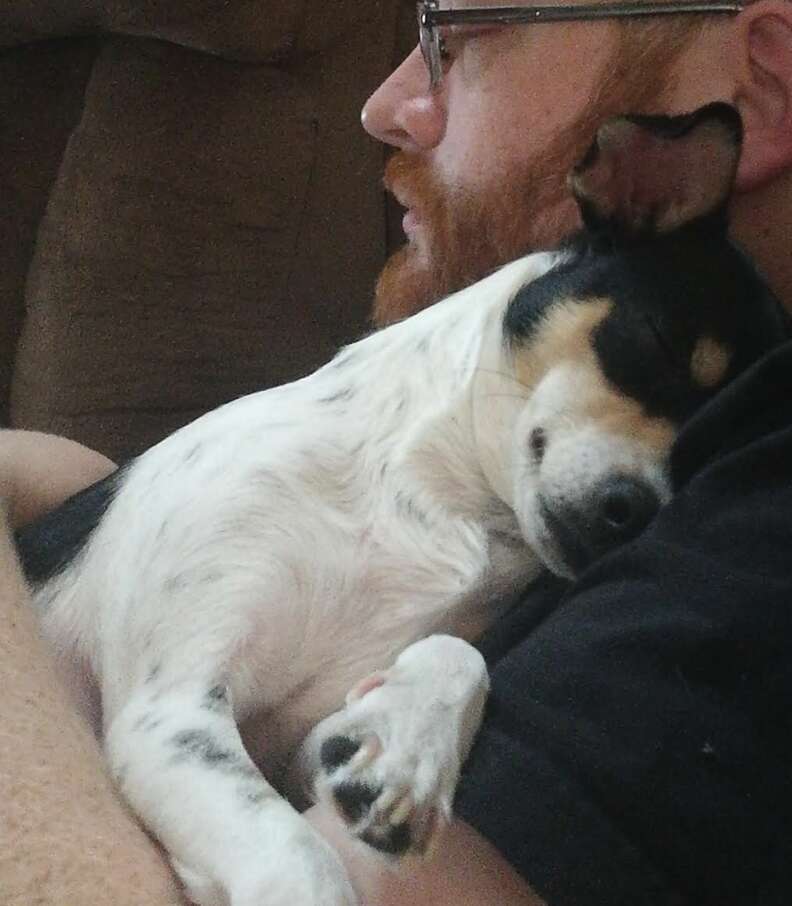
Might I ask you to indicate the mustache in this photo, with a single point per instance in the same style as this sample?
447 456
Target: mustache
410 179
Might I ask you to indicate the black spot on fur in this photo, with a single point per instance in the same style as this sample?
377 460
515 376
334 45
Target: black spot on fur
406 506
147 722
48 545
217 698
255 795
337 750
343 395
354 799
193 453
202 746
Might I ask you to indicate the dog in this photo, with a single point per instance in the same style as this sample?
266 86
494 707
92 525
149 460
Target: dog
227 588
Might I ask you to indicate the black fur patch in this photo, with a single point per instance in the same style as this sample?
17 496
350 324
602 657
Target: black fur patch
46 546
217 698
668 292
201 746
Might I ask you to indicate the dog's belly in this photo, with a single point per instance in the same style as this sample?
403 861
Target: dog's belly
351 641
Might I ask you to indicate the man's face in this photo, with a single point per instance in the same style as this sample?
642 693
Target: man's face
482 162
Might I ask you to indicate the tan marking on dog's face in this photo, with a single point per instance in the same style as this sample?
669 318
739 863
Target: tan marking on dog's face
563 335
565 338
709 362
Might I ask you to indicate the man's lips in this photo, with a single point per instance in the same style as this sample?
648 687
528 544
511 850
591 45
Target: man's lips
410 222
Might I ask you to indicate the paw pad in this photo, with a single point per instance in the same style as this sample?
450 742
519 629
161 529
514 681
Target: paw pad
336 751
393 840
355 799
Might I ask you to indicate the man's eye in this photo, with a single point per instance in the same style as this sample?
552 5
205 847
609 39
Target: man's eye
453 40
450 44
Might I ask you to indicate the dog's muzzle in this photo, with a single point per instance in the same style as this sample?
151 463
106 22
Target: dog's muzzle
615 511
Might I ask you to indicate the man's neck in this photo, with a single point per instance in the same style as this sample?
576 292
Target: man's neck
762 225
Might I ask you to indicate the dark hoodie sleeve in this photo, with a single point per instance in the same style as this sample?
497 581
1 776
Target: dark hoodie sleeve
637 745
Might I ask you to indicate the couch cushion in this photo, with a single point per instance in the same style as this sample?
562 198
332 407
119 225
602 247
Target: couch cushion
41 90
251 30
215 228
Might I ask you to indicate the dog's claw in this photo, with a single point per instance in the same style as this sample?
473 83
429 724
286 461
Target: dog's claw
402 810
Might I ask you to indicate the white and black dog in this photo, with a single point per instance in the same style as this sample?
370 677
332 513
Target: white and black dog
226 589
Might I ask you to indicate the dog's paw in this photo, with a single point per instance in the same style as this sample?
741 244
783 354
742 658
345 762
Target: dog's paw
389 762
394 799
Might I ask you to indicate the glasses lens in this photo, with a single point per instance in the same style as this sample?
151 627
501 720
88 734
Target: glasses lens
430 43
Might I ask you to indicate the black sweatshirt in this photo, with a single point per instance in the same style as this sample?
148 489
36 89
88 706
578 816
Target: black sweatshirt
638 743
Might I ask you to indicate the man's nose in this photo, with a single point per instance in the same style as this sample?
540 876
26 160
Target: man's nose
403 111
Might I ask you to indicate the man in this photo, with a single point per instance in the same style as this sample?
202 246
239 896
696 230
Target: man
634 752
480 166
481 162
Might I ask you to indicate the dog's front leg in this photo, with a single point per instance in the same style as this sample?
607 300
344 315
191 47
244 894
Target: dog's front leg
389 762
176 752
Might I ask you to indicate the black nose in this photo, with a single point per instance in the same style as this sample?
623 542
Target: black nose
612 513
622 507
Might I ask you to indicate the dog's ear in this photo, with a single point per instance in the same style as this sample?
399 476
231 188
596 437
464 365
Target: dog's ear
645 175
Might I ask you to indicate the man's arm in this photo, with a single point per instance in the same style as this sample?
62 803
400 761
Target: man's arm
466 870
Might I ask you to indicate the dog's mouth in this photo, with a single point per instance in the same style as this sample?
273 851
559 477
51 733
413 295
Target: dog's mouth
560 549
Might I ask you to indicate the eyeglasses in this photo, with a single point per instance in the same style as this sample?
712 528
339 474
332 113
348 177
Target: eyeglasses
431 18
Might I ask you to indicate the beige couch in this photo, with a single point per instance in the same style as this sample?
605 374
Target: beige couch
190 208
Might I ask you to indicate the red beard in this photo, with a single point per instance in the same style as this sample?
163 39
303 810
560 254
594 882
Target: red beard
468 234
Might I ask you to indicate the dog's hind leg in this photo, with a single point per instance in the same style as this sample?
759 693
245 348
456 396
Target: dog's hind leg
177 755
389 762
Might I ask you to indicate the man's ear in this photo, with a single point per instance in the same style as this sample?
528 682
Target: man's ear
764 91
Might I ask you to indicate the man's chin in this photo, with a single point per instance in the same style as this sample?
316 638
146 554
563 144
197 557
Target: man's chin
405 286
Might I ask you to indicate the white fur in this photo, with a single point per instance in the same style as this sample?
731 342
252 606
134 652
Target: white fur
256 564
